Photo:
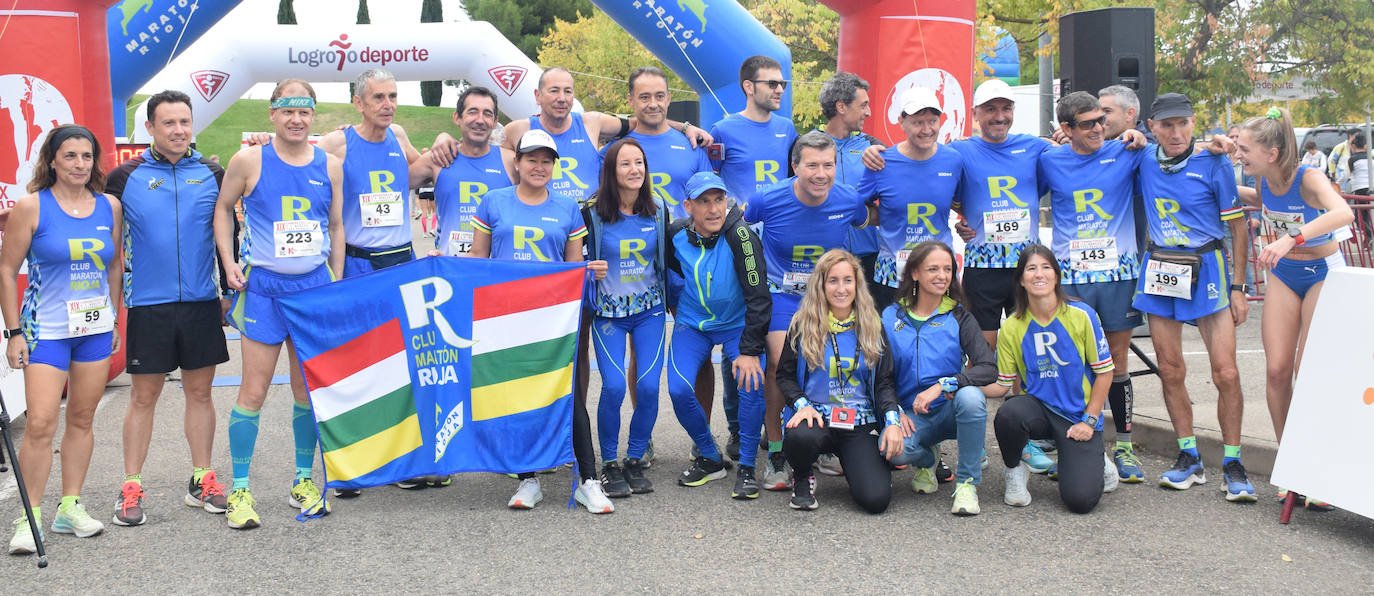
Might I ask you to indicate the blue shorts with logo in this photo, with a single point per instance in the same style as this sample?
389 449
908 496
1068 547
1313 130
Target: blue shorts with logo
1111 300
1301 275
60 353
784 306
255 312
1211 293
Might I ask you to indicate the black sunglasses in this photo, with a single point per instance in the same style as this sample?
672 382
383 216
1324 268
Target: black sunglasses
1088 124
772 84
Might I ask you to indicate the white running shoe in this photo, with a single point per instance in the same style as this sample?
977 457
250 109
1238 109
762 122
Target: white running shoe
75 520
591 496
1017 495
1109 478
527 496
22 543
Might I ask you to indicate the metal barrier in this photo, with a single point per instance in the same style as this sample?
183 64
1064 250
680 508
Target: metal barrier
1358 248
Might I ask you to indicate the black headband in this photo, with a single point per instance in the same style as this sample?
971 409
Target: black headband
60 135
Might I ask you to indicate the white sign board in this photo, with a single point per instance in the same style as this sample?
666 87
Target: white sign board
1326 436
11 383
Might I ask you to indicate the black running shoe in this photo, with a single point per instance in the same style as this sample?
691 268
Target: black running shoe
732 447
942 472
702 471
745 485
613 481
411 483
634 476
347 493
804 494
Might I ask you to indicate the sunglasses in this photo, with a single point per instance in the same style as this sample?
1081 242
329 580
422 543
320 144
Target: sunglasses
772 84
1089 124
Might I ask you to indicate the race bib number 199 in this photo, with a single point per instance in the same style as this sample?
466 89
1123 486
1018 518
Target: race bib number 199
1168 279
297 238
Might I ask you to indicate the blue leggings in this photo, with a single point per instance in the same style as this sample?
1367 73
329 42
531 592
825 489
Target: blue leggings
608 337
690 349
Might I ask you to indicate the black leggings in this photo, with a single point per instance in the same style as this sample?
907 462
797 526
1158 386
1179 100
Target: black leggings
1024 417
869 477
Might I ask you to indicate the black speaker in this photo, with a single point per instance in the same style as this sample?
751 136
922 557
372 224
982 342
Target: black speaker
687 111
1109 46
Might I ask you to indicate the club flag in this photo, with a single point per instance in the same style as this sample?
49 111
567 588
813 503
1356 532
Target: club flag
439 366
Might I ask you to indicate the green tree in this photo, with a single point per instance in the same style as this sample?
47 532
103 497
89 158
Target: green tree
525 22
363 19
431 92
286 12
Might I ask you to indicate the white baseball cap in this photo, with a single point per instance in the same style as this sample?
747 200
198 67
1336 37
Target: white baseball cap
916 99
992 89
536 139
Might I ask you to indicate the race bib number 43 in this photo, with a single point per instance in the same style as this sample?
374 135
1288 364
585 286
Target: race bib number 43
1007 227
89 317
1093 254
381 209
297 238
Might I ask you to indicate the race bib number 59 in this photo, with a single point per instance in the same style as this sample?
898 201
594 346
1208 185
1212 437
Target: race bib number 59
89 317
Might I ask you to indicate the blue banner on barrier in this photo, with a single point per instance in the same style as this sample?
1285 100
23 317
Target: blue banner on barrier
439 366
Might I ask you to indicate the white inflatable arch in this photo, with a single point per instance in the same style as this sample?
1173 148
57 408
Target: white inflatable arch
222 66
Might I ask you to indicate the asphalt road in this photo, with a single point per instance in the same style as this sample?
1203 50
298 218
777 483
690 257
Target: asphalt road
462 538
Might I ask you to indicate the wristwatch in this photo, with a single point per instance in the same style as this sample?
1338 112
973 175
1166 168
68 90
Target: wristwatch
1090 420
13 332
1296 235
1242 288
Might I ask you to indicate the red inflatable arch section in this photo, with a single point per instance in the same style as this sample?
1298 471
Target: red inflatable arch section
898 44
56 70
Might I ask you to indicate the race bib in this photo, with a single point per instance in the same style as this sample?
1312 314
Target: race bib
382 209
843 418
297 238
794 282
902 256
1007 227
89 317
459 242
1282 221
1093 254
1174 280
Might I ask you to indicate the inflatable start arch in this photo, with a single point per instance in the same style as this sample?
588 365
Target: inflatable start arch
224 65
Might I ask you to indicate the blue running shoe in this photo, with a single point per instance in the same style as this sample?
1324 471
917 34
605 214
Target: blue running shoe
1238 487
1186 472
1036 459
1053 472
1128 465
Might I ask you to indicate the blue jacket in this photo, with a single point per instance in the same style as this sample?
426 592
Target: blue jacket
924 352
169 237
726 283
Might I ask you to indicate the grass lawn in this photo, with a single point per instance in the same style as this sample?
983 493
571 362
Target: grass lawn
221 138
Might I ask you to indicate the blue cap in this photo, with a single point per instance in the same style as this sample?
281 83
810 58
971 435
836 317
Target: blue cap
701 182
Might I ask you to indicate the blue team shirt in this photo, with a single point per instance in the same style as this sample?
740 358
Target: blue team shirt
1001 194
849 171
796 235
1186 208
1056 362
914 199
303 190
69 259
458 190
1289 210
630 248
377 171
521 232
1094 223
755 154
672 161
578 172
845 382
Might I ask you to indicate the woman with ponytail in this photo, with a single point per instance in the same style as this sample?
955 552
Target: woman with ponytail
1300 205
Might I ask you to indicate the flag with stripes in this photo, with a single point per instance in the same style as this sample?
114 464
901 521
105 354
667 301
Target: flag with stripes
440 366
